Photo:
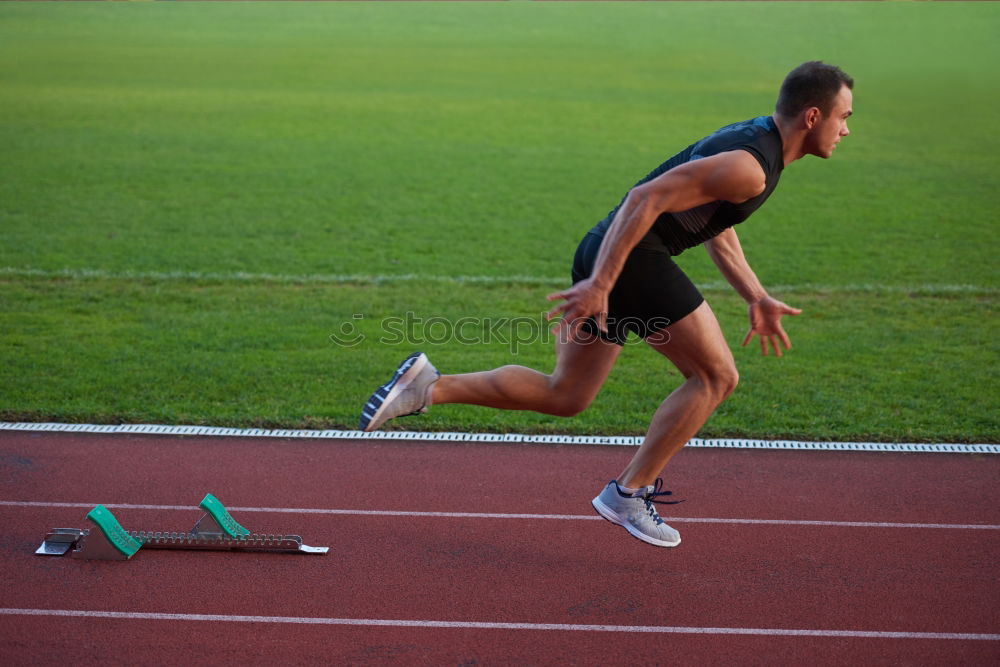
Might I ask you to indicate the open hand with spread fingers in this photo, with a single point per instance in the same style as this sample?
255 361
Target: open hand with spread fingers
765 321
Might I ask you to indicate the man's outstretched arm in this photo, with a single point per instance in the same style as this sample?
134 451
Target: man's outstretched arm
765 311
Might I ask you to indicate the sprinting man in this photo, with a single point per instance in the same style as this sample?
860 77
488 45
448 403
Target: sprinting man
624 280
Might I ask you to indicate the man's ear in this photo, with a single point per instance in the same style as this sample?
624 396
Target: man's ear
811 117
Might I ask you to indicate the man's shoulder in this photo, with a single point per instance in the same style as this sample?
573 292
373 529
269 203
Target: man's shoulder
734 136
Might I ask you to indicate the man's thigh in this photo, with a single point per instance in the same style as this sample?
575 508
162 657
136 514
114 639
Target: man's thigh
695 344
583 361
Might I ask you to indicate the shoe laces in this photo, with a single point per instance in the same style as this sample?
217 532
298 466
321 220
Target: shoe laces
648 499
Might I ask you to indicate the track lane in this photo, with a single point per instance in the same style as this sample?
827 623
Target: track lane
503 478
551 572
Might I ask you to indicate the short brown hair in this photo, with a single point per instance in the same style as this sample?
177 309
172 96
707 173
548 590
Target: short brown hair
811 84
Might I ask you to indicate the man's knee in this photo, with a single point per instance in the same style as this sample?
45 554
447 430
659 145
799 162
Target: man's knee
718 378
568 402
723 379
569 406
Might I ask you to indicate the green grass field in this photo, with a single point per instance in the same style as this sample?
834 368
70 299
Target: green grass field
194 198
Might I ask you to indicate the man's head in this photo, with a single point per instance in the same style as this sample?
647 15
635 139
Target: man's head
818 98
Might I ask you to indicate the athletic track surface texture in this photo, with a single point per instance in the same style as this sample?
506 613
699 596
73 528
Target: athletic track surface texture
489 553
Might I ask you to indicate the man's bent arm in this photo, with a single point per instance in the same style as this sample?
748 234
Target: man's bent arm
727 253
734 176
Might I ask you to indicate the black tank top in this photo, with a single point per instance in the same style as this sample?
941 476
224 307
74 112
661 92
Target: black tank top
674 233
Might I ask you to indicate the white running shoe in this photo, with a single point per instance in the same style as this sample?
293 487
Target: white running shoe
637 514
404 394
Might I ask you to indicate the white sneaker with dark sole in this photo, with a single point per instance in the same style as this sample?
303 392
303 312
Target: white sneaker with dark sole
637 514
404 394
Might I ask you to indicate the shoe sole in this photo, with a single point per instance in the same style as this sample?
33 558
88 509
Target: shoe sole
404 380
610 515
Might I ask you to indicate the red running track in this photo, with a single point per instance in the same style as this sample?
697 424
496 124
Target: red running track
871 594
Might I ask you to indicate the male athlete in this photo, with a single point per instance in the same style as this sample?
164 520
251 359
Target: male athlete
625 280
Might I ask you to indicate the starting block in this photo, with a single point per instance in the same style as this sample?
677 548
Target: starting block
215 530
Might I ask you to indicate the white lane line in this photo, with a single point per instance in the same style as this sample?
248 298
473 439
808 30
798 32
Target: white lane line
495 515
391 278
476 625
506 438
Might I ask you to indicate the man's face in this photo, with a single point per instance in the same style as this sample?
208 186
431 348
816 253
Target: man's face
832 127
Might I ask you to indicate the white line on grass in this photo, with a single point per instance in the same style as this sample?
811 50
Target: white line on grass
477 625
931 289
496 515
506 438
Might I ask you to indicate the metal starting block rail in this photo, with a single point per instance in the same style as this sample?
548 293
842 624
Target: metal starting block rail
216 530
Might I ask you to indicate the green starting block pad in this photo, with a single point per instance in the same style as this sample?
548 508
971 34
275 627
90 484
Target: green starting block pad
216 530
218 519
114 535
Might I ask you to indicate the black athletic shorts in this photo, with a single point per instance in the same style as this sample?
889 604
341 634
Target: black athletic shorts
651 293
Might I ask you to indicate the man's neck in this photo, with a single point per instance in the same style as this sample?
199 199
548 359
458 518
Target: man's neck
792 138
